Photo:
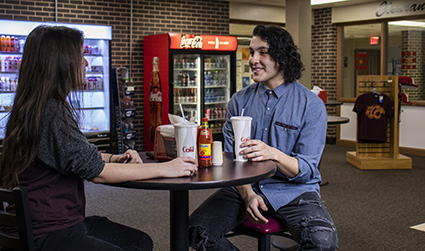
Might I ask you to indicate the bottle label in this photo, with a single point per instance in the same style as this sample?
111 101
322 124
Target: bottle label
204 133
156 97
205 151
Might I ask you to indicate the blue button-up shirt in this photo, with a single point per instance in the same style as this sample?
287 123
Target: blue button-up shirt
292 119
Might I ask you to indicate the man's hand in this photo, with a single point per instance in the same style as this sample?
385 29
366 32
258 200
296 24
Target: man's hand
257 150
253 203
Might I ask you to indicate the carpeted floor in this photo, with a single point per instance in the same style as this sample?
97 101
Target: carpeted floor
373 210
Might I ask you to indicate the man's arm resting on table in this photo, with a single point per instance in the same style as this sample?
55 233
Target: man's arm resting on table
258 151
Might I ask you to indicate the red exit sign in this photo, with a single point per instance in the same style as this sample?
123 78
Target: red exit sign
374 40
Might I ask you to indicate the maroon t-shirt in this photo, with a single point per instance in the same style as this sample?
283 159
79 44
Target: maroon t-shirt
55 181
56 200
373 111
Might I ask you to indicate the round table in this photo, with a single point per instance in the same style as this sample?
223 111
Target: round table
231 173
336 120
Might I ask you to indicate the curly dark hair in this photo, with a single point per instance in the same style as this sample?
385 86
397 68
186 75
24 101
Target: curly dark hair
282 49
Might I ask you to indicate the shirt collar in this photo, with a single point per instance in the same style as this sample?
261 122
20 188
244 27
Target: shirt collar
278 91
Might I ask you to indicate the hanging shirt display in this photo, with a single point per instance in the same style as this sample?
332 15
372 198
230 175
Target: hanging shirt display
373 110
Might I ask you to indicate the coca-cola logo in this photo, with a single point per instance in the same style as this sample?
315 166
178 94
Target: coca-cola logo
191 42
244 139
188 149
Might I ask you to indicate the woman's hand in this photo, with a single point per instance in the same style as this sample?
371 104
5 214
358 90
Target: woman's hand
130 156
183 166
257 150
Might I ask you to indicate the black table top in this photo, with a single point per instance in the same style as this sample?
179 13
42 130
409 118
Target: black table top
337 120
333 102
231 173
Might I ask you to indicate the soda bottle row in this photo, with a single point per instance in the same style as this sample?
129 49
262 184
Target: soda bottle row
9 64
216 62
215 95
216 113
216 127
93 83
187 79
11 44
185 95
215 78
91 49
8 84
186 63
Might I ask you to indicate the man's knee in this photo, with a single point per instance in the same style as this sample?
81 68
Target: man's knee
319 233
199 238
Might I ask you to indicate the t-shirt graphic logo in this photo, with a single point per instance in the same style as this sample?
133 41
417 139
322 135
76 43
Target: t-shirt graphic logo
374 112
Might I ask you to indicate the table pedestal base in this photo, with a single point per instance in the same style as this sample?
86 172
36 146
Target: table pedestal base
179 213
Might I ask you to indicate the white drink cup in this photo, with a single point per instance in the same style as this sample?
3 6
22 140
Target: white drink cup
185 134
242 132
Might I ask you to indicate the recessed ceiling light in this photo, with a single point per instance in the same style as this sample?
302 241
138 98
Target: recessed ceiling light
407 23
317 2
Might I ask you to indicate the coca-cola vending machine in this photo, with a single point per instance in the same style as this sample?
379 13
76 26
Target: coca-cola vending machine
195 72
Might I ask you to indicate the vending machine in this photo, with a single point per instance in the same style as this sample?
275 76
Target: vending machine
188 74
93 102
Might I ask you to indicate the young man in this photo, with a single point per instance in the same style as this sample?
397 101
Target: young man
289 128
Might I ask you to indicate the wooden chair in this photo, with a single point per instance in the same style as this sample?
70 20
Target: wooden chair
263 233
20 219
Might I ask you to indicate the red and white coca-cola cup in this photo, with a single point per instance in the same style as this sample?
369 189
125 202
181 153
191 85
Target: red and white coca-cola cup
242 133
185 135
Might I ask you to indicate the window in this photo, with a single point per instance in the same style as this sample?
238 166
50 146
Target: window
361 55
406 54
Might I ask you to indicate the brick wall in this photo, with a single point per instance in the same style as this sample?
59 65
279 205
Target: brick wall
149 17
412 41
323 58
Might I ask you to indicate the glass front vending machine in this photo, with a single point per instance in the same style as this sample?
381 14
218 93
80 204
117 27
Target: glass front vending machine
195 72
93 102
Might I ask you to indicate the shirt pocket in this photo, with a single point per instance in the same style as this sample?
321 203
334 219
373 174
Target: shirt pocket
286 134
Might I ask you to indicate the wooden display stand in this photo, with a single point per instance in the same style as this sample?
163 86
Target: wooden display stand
370 156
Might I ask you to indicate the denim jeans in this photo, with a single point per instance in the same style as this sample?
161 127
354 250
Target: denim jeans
95 233
306 217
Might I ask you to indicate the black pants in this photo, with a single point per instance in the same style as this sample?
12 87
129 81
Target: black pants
95 233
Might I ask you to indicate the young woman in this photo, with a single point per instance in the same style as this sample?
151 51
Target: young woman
45 151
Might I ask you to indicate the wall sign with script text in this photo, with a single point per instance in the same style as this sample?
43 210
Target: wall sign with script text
203 42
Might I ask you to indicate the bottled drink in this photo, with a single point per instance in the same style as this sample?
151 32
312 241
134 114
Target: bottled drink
3 43
205 139
12 44
7 43
155 100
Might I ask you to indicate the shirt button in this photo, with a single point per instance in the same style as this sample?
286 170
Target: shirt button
268 108
265 129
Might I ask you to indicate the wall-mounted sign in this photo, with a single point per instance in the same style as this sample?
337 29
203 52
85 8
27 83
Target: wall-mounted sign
374 40
377 10
203 42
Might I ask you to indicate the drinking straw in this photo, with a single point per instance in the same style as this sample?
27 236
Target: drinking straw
242 112
181 109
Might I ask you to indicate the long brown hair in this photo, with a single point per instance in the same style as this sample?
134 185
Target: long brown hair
51 67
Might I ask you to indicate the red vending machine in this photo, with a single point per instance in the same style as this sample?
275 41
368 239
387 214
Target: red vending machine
195 72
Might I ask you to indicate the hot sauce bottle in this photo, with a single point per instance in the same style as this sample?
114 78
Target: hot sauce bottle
204 145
